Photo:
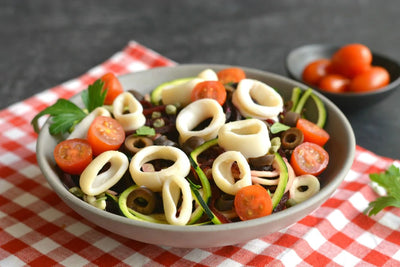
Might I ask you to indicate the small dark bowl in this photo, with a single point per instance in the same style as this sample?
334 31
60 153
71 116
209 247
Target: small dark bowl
298 59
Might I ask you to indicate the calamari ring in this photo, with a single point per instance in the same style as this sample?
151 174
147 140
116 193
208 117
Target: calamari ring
257 100
93 183
132 120
250 137
222 172
174 187
154 180
195 113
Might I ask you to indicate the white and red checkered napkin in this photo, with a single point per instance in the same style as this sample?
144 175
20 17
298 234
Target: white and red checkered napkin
38 229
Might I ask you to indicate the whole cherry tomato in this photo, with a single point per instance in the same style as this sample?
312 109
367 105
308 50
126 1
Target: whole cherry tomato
375 78
351 60
315 71
335 83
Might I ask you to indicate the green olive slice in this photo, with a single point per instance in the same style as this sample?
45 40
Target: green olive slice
134 143
142 200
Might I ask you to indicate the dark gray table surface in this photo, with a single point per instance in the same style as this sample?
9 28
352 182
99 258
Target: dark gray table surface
44 43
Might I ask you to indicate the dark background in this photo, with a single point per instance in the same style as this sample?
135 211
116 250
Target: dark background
44 43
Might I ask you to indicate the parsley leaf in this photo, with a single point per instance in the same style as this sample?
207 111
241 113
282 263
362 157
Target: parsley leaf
145 130
390 180
278 127
64 114
94 96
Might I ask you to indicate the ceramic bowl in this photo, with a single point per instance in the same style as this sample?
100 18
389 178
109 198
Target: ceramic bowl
300 57
341 148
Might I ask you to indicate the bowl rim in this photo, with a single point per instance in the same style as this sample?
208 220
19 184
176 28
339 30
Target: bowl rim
289 69
327 190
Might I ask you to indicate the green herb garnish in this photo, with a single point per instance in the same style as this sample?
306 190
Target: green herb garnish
278 127
146 131
94 96
64 114
390 181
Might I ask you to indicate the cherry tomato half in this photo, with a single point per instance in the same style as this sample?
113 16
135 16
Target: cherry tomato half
351 60
73 155
334 83
231 75
209 89
315 71
312 132
105 133
375 78
252 202
113 86
309 158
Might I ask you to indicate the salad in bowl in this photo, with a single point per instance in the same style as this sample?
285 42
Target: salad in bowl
203 147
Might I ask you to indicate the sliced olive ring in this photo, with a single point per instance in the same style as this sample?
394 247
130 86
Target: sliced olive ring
142 200
291 118
192 143
291 138
134 143
265 160
224 202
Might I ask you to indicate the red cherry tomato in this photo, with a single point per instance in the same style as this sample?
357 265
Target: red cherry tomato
231 75
334 83
374 78
252 202
105 133
209 89
309 158
312 132
73 155
315 71
351 60
113 86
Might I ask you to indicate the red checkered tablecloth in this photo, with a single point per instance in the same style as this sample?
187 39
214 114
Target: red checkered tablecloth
38 229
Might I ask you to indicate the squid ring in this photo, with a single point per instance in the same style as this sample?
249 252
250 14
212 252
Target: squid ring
222 172
258 100
154 180
304 187
132 120
195 113
93 183
179 93
174 187
250 137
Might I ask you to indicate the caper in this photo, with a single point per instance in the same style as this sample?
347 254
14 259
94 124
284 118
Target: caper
158 123
142 200
265 160
192 143
171 109
292 138
134 143
291 118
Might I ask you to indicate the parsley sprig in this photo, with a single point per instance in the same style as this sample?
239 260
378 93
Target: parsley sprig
390 181
64 114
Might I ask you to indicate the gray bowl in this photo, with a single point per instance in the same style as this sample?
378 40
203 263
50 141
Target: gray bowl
341 148
300 57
